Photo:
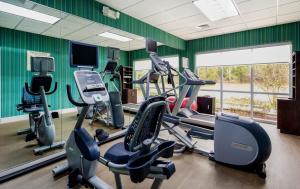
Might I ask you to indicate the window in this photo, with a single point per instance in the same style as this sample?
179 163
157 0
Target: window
141 68
248 81
210 73
236 78
239 103
272 78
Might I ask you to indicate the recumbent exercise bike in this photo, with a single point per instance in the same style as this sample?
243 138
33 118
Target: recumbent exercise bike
137 156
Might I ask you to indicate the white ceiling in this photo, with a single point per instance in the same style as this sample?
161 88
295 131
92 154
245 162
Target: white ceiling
180 17
69 27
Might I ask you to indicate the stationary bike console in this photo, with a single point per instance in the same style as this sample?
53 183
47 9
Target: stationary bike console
91 87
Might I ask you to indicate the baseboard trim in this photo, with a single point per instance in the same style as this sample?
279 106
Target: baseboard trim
25 116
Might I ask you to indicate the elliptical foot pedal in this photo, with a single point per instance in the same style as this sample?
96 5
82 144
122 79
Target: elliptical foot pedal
101 135
30 137
54 115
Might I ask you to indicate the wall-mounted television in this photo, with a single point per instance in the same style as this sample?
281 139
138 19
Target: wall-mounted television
151 46
113 53
83 55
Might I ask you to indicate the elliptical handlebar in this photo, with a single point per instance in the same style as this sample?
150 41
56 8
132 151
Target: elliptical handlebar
165 94
71 99
159 65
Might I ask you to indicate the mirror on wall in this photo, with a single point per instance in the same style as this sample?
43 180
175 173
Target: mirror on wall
36 51
111 60
31 126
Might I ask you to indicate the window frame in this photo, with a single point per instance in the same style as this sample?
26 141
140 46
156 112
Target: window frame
251 91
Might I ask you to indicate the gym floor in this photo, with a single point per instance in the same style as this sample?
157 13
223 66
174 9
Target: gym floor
196 171
15 151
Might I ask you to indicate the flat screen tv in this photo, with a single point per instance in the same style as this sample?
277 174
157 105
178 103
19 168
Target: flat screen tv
83 55
151 46
113 53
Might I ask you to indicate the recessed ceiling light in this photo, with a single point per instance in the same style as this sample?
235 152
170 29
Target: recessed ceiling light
20 11
217 9
115 36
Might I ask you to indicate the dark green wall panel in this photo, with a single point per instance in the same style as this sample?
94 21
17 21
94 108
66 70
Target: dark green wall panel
262 36
14 45
92 10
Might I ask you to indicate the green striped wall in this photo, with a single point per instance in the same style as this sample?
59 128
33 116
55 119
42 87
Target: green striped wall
262 36
93 11
14 45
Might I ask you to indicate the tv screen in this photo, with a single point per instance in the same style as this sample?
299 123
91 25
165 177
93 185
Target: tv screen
113 53
151 46
83 55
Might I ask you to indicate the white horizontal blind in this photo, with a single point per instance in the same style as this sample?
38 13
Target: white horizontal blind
260 55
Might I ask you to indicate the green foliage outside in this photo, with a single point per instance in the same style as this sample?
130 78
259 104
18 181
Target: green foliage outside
271 78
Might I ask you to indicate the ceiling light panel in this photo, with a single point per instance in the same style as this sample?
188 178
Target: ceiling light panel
20 11
217 9
115 36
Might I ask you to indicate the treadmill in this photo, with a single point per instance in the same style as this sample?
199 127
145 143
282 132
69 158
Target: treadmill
187 115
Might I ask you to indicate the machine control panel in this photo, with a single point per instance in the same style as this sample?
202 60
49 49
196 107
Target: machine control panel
91 86
94 87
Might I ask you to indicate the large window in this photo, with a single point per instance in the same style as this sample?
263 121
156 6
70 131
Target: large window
248 81
141 68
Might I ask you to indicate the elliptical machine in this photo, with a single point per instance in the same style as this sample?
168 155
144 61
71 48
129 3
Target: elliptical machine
238 142
137 156
34 102
112 108
110 111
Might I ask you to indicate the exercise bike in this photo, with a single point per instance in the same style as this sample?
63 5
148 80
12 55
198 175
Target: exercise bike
34 103
137 156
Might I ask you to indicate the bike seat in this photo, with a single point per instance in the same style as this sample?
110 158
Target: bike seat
118 154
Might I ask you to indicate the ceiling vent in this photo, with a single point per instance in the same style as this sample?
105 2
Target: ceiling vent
202 27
